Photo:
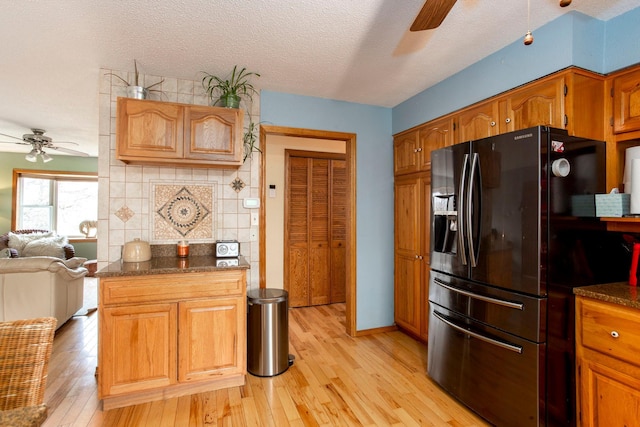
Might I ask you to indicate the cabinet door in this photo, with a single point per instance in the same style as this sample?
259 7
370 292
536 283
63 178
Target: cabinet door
426 240
211 341
149 129
213 133
338 211
405 153
537 104
137 348
626 102
608 396
478 122
434 135
408 257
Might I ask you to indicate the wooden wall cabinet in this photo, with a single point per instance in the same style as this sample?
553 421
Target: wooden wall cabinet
411 259
608 367
165 133
626 102
412 149
169 335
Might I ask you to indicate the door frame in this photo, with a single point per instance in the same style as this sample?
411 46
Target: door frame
350 154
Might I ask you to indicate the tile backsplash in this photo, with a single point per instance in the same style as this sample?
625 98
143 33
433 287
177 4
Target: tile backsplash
165 204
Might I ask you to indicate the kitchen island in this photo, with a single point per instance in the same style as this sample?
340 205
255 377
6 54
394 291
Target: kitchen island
607 349
170 327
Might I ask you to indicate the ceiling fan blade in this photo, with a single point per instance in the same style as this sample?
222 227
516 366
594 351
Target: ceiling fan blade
9 136
66 142
14 142
432 14
68 151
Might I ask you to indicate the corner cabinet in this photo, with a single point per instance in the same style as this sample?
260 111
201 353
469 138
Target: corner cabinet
608 367
182 135
168 335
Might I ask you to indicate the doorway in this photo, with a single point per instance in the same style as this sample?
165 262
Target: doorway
268 132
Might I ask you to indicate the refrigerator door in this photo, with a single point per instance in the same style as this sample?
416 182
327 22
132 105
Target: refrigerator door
449 178
507 211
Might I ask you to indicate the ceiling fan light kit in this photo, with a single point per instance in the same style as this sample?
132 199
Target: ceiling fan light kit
39 142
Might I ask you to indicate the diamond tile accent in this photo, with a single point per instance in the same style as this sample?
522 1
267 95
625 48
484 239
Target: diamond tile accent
124 213
183 211
237 185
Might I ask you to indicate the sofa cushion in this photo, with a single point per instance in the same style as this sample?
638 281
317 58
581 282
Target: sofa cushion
45 246
19 241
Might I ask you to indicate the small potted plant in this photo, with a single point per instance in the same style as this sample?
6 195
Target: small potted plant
135 90
250 140
227 92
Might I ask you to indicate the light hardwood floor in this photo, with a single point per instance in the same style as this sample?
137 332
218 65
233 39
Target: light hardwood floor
374 380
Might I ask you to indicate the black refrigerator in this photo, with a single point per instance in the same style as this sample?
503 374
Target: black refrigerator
513 230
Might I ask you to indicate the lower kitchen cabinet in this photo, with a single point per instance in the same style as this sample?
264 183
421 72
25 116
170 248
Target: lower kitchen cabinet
167 335
608 366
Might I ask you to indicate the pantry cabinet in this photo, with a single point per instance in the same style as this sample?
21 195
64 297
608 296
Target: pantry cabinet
165 133
608 368
167 335
412 227
412 149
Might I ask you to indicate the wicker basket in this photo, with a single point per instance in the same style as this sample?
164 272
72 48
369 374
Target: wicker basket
25 349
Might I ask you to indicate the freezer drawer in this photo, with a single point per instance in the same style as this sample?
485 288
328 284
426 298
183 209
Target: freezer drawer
498 375
517 314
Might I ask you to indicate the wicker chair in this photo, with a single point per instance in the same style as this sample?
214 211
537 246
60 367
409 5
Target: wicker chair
25 349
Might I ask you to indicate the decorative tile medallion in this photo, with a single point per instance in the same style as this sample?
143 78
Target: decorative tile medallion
183 211
124 213
237 184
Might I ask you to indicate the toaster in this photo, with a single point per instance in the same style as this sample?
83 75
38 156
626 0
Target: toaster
227 248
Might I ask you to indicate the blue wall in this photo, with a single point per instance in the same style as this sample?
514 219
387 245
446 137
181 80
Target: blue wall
572 39
374 180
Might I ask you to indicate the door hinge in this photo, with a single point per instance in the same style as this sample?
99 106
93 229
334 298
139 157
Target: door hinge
611 91
454 125
566 120
566 90
611 121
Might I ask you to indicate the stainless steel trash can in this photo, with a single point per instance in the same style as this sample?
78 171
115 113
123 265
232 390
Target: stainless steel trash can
268 332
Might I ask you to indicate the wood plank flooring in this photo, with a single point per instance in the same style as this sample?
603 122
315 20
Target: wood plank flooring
374 380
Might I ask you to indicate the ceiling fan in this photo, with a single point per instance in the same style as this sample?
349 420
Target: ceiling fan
434 11
39 142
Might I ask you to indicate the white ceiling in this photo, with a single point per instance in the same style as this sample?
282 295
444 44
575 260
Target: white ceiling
353 50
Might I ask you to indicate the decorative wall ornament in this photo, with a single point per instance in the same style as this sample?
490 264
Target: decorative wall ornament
124 213
237 185
182 211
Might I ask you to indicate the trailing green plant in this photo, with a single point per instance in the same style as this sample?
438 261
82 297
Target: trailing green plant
136 78
250 139
228 91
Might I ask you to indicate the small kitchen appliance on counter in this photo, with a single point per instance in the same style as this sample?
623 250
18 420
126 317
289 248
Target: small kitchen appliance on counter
227 248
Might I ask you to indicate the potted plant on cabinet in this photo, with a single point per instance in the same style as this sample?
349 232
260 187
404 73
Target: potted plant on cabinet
135 90
227 92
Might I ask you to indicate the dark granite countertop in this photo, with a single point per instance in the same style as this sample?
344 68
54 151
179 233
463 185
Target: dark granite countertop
617 293
172 265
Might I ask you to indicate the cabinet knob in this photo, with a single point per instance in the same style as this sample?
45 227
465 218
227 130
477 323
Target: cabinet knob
419 150
507 120
493 124
615 334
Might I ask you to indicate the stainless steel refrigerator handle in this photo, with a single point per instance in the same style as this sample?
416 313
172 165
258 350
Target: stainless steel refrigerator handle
468 211
510 347
514 305
461 225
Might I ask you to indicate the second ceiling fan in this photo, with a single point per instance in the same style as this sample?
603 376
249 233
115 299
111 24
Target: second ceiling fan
434 11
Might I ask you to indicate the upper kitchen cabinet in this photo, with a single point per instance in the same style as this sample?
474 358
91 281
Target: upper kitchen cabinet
571 100
477 122
412 149
626 101
171 134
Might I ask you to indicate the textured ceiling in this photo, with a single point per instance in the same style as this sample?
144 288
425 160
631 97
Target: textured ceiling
353 50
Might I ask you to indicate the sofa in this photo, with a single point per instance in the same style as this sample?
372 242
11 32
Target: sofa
41 286
21 243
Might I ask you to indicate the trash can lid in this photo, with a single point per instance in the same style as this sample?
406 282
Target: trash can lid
264 295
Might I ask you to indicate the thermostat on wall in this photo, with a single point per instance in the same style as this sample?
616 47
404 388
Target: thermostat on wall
251 203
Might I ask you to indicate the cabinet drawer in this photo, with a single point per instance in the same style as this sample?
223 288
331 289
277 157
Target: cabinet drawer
611 329
170 287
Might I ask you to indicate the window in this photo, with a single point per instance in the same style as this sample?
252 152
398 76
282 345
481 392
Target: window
56 201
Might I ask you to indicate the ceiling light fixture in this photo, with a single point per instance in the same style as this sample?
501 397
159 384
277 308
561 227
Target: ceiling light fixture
32 156
45 157
528 38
